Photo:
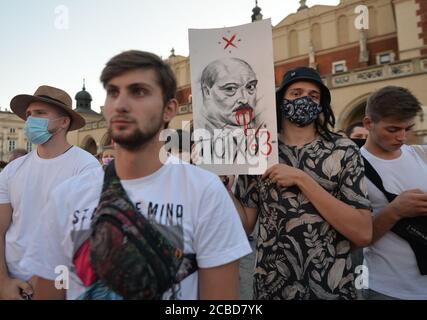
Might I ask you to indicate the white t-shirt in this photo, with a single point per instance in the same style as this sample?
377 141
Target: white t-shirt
391 262
200 212
25 183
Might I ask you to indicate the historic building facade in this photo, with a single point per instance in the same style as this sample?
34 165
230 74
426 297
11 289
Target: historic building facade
12 134
357 46
353 61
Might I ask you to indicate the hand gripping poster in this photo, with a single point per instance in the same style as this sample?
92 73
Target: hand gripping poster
233 96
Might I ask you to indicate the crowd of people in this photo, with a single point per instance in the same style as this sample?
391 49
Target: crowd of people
132 226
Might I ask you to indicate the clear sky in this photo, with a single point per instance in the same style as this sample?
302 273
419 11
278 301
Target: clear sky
60 42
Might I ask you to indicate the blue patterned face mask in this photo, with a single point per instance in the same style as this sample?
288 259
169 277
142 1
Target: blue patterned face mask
36 130
301 111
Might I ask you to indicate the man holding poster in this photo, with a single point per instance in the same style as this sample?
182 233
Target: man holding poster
312 207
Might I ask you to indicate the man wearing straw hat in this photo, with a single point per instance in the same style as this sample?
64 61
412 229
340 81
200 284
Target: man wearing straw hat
27 181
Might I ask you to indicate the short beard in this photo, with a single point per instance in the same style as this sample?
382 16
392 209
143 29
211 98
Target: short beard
134 142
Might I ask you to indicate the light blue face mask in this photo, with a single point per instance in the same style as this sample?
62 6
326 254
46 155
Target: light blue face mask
36 130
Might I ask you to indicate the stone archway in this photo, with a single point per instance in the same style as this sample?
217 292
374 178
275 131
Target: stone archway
356 115
105 140
354 112
89 145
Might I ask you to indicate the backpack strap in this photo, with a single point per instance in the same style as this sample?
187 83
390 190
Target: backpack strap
135 257
375 178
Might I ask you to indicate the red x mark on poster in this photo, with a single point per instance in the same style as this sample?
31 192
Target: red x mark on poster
229 41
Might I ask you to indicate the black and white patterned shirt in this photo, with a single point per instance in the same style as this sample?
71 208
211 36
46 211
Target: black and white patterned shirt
299 254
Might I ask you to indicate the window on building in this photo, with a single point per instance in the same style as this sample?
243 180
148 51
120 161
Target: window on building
12 145
339 66
11 130
385 57
29 146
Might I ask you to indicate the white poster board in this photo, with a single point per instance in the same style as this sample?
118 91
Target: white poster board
233 97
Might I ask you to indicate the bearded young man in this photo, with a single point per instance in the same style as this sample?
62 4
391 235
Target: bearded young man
188 205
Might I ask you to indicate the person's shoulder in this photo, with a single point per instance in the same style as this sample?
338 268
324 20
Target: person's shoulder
407 148
18 162
84 182
416 151
340 140
343 142
364 152
91 176
82 153
83 159
196 174
184 166
414 148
